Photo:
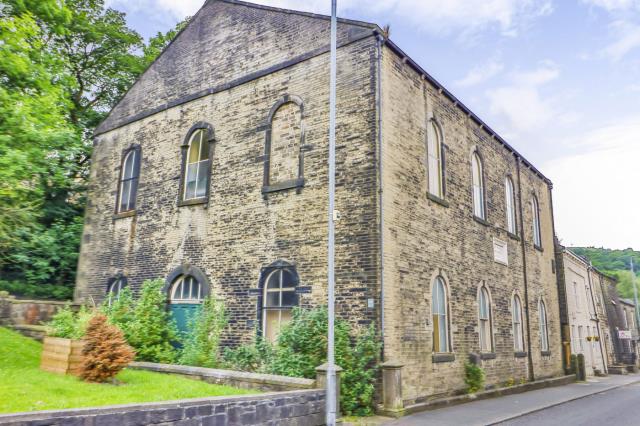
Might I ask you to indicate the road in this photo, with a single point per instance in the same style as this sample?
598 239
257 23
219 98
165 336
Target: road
617 407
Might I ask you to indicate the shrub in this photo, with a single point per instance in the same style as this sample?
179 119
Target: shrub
256 357
68 324
473 377
357 388
106 351
146 324
201 344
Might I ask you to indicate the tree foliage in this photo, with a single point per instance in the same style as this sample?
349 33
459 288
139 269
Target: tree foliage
616 263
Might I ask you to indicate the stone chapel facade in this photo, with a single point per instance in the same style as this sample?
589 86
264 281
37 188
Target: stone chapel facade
211 173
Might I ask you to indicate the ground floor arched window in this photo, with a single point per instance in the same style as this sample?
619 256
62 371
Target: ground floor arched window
278 299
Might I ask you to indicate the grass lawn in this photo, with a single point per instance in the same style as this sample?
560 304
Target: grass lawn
23 387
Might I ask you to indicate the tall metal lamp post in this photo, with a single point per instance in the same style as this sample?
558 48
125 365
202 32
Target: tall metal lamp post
331 367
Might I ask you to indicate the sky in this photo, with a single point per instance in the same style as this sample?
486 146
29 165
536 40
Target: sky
558 79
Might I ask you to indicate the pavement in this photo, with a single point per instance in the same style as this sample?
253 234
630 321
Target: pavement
511 409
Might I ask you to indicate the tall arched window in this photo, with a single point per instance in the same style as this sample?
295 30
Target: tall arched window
510 201
435 166
439 312
535 214
484 318
196 176
544 334
128 187
279 298
518 334
478 186
114 289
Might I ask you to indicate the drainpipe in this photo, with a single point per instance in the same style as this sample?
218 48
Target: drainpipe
595 311
379 43
524 271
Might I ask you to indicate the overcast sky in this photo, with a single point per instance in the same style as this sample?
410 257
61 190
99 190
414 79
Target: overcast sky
558 79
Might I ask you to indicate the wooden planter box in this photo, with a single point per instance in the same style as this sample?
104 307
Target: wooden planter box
62 356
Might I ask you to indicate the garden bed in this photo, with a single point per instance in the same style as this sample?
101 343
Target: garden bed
27 388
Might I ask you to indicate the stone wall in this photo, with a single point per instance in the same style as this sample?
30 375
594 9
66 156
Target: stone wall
19 312
426 237
296 408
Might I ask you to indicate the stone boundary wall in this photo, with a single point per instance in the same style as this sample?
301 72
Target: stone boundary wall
239 379
295 408
23 312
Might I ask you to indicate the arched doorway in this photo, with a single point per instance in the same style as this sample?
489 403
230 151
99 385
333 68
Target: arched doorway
185 295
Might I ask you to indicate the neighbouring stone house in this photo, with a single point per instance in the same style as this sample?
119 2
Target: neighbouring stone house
211 173
585 322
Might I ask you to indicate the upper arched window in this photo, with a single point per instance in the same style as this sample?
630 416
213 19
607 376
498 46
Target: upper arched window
279 298
518 334
510 202
440 316
197 167
484 318
186 289
544 333
114 289
535 214
284 146
128 187
478 186
435 163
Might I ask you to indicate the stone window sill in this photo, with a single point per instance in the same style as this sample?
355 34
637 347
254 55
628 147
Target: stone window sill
545 353
537 247
443 357
129 213
481 220
281 186
488 355
193 201
437 200
513 236
520 354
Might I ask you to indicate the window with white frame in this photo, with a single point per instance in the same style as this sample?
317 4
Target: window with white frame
197 167
440 317
186 289
510 200
518 334
478 186
580 338
435 169
128 187
535 212
113 292
544 334
484 316
279 298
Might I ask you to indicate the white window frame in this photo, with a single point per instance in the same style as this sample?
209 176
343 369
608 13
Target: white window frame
544 328
280 290
130 182
510 205
535 210
484 322
442 317
203 145
180 283
435 169
518 329
477 179
113 292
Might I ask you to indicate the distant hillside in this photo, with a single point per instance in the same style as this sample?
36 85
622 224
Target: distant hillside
616 263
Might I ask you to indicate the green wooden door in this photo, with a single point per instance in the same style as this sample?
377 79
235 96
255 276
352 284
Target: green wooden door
182 314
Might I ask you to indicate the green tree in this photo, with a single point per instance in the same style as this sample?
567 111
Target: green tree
201 344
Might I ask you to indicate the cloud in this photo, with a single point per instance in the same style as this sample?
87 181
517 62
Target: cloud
177 9
627 38
521 102
614 5
594 198
480 74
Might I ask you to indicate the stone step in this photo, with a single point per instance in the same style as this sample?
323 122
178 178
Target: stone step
36 332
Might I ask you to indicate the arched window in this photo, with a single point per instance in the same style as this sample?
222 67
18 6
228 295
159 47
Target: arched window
186 289
510 201
435 169
114 289
279 298
544 334
128 181
518 334
484 317
535 214
284 146
478 186
439 311
196 176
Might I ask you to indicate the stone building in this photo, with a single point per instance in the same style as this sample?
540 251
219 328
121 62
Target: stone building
585 324
211 173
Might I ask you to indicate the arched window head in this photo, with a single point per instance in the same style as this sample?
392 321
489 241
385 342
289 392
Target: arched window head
478 186
484 317
535 214
544 332
510 202
440 316
128 187
435 160
279 298
518 334
114 289
186 289
284 146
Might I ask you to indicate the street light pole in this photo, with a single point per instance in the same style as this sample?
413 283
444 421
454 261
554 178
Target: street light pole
331 367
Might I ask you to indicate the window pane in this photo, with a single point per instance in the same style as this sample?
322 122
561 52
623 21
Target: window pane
124 196
128 166
443 333
201 189
288 279
272 299
271 325
436 333
194 148
289 298
204 147
132 193
190 190
274 280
